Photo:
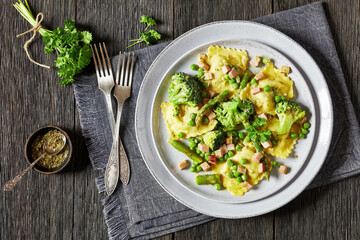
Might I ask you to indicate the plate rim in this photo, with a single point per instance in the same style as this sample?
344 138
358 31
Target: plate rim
329 120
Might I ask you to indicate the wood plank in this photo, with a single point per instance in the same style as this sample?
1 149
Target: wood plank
41 206
329 212
115 23
190 14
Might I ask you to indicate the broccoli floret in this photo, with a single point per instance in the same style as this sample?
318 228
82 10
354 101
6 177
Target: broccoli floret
214 139
228 114
232 113
288 113
184 90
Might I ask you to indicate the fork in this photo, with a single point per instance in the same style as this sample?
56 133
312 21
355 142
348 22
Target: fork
105 78
122 91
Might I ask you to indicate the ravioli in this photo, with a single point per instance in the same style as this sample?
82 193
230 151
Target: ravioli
217 57
285 143
252 167
180 123
264 101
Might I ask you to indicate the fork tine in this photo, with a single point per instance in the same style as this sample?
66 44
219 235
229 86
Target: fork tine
99 62
127 71
106 70
108 60
117 79
131 69
95 63
122 70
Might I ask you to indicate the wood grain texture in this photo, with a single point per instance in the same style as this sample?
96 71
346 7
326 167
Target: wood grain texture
67 205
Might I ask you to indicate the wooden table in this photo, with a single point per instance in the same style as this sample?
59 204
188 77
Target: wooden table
67 205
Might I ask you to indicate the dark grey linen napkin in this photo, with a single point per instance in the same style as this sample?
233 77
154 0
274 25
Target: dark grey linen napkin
143 209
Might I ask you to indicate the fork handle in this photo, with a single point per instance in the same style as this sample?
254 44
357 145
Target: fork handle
110 110
124 161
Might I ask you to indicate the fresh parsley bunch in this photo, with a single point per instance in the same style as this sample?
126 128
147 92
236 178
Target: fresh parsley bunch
149 37
73 49
72 46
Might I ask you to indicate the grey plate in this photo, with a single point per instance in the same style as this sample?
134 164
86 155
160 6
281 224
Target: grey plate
158 155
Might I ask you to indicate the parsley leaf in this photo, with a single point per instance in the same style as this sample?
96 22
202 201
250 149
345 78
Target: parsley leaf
149 37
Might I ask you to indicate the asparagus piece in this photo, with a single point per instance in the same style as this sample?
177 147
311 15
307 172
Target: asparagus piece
210 104
245 80
181 147
208 179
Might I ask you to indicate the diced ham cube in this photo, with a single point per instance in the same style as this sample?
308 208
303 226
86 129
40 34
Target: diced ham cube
233 73
208 112
219 153
208 76
230 147
205 100
202 57
283 169
203 147
241 170
224 148
205 166
285 69
211 116
257 157
259 76
255 61
225 69
228 140
247 185
264 116
255 90
212 159
211 94
266 144
203 65
262 168
183 164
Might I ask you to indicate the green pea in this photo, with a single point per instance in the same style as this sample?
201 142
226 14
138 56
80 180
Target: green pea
221 159
198 151
203 94
243 160
207 154
192 148
226 157
230 174
192 169
301 135
202 155
196 140
236 174
180 134
192 115
202 141
192 144
231 81
243 83
227 77
267 88
205 85
283 98
253 81
212 153
200 70
247 139
218 186
231 153
241 135
275 164
206 158
230 163
191 123
239 179
194 67
304 131
198 168
244 177
235 85
293 135
234 167
238 148
265 60
306 125
277 98
205 120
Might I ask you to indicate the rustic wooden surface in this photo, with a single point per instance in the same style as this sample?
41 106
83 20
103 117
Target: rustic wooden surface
67 205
